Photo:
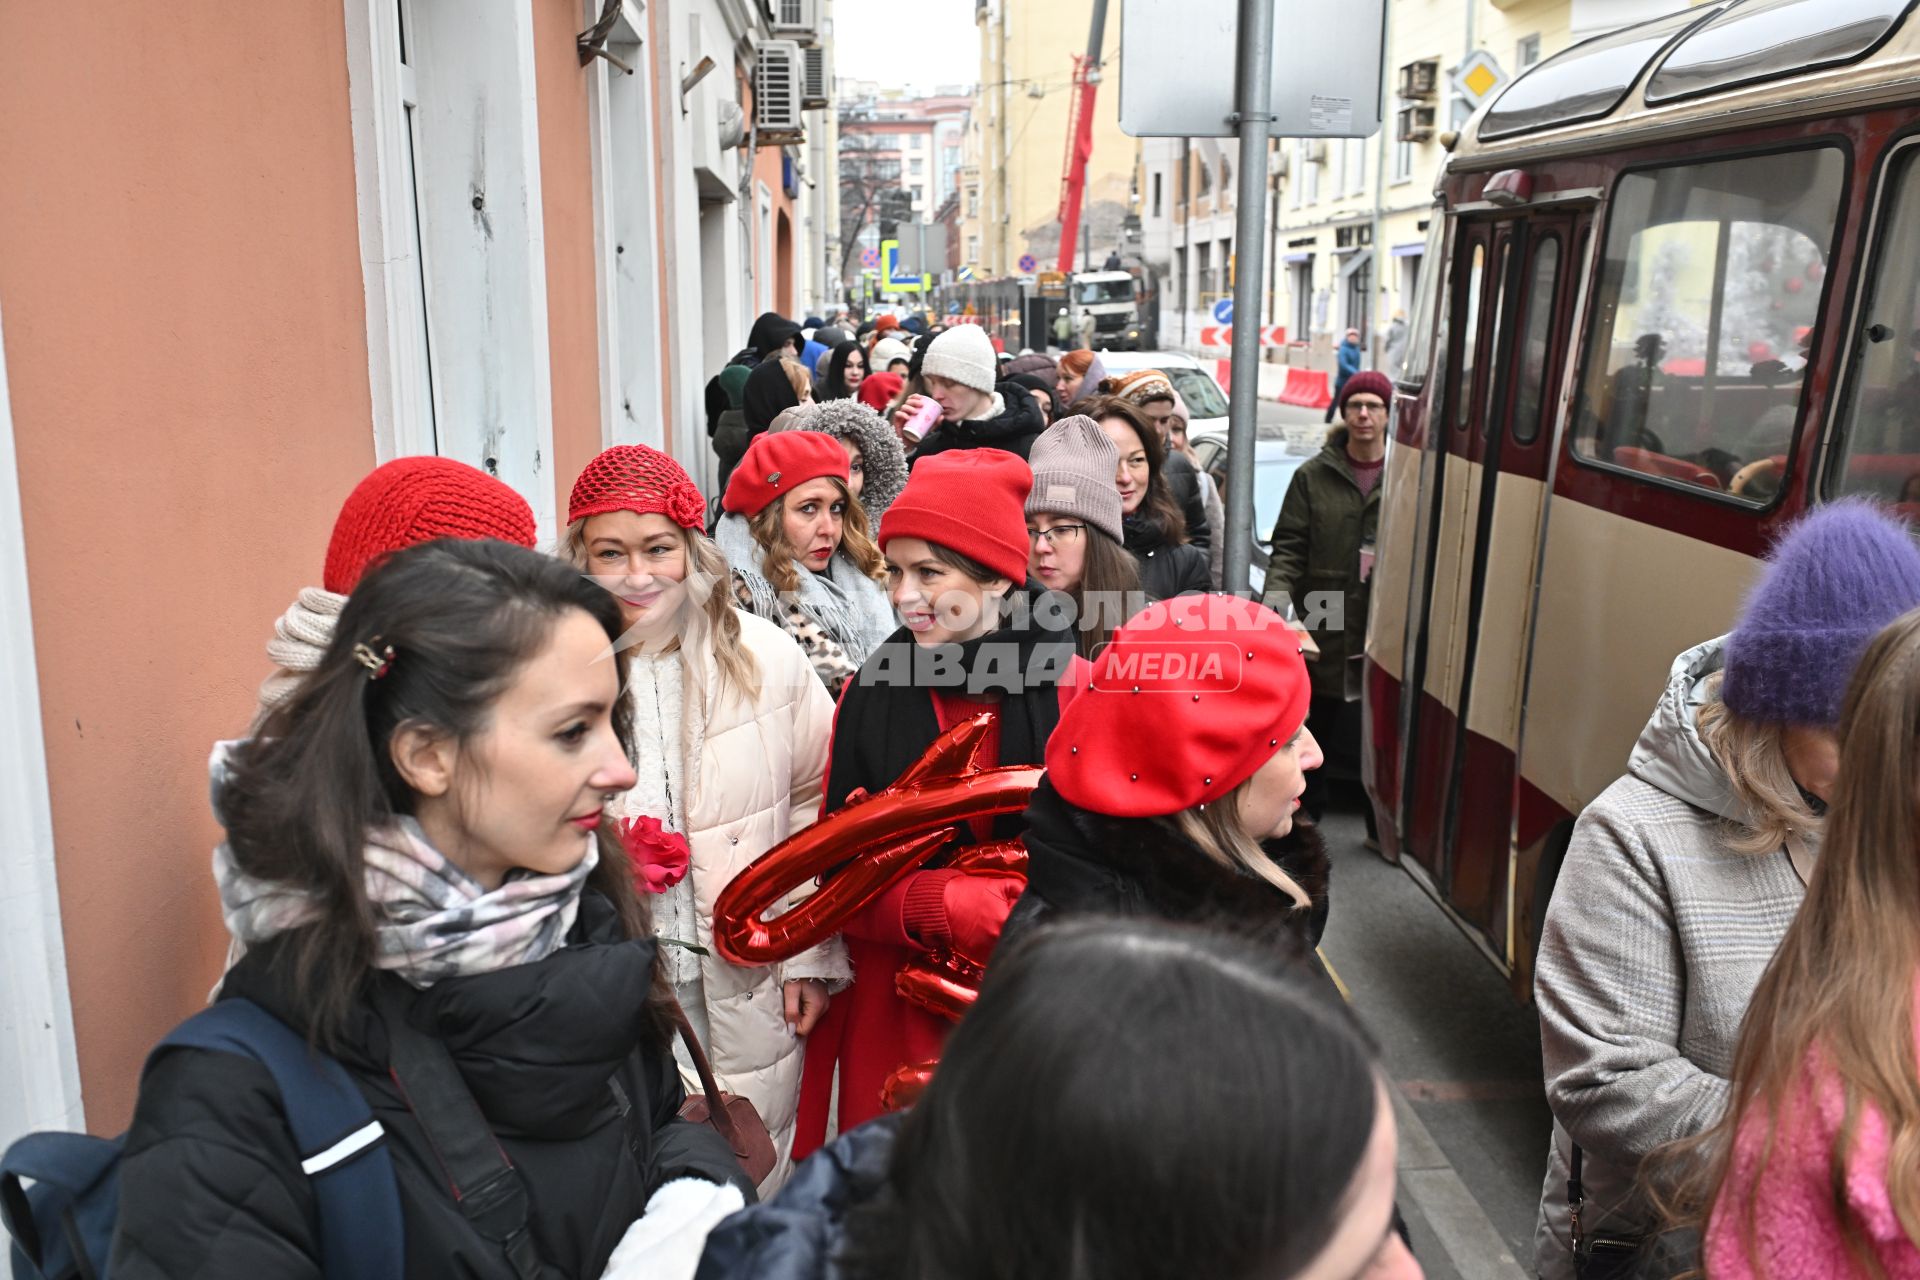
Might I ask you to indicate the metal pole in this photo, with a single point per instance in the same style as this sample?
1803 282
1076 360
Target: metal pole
1250 212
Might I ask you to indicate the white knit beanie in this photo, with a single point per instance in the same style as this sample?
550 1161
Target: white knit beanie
963 353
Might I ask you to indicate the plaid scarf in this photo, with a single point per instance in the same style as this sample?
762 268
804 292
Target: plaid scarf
432 920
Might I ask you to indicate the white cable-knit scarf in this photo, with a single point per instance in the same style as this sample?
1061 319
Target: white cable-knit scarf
300 640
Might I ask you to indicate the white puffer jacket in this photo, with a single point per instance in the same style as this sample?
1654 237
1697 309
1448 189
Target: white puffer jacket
755 772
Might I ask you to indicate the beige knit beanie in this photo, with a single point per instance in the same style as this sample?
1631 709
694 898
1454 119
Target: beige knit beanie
1073 468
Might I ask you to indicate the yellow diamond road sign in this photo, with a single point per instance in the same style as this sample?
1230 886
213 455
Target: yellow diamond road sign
1478 76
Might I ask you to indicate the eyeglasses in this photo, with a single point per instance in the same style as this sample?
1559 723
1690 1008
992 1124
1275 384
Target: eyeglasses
1366 406
1060 535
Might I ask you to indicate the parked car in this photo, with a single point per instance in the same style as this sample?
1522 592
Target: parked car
1206 403
1274 462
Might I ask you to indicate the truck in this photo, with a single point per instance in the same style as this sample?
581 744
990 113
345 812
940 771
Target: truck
1121 307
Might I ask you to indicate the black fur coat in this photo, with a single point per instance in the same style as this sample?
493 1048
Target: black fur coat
1080 861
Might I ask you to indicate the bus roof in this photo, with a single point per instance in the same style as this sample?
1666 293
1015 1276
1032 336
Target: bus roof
1717 66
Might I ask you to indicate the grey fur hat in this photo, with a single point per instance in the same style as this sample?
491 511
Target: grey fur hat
882 457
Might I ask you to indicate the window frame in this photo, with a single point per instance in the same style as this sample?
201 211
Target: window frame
1603 230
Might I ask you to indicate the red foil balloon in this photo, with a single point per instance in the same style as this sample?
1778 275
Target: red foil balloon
903 1088
874 840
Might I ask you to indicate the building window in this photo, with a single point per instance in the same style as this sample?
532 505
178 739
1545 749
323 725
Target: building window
1300 280
1356 166
1203 272
1529 52
916 166
1206 178
1403 161
1180 278
1156 192
1297 181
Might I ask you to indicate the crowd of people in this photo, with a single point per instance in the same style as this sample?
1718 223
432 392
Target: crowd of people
479 829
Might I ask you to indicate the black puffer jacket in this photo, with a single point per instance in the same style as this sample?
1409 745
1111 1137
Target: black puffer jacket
211 1183
1080 862
1015 428
1166 570
797 1234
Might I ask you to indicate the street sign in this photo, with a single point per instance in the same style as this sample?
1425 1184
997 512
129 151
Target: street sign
1222 335
1223 311
1027 263
869 258
1477 76
895 281
1326 68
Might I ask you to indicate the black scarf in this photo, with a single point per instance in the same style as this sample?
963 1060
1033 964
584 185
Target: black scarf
887 720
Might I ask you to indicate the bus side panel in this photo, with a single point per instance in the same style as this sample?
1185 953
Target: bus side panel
1538 819
1380 755
1395 577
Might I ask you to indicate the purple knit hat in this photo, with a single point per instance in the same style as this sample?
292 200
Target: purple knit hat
1835 578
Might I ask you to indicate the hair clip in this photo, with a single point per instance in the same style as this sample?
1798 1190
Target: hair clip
376 663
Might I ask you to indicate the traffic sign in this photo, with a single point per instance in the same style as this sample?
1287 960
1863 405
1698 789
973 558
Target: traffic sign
1223 311
869 257
890 271
1222 335
1477 76
1027 263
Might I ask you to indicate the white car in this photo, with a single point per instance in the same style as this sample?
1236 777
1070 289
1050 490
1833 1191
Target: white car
1206 403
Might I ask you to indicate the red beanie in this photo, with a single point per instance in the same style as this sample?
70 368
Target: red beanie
632 477
778 462
877 390
418 499
1368 380
1192 696
885 323
973 501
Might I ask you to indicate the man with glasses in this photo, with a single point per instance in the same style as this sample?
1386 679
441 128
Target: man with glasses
1322 565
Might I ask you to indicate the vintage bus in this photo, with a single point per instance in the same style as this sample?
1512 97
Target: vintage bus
1676 301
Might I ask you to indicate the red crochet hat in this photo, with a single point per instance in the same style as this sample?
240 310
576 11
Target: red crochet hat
632 477
1192 696
418 499
973 501
778 462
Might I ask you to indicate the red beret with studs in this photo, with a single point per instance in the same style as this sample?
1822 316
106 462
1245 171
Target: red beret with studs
777 463
1192 696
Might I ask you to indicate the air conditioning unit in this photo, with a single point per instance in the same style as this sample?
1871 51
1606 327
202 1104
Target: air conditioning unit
797 20
777 76
1315 151
1420 81
814 85
1415 123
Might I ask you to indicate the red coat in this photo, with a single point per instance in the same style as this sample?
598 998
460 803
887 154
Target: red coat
869 1031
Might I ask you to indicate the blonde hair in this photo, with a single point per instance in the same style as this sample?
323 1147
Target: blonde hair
1839 991
777 554
797 377
707 572
1215 830
1753 757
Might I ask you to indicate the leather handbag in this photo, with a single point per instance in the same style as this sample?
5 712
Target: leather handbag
728 1114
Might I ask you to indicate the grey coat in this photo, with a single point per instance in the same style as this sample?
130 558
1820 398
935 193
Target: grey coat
1654 942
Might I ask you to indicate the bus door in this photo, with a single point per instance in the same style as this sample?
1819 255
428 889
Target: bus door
1486 544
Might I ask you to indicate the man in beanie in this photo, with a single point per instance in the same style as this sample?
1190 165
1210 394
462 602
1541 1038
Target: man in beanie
961 372
1323 545
1682 877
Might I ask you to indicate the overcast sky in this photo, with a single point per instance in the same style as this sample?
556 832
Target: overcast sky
906 43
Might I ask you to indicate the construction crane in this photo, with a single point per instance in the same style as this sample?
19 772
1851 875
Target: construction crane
1073 183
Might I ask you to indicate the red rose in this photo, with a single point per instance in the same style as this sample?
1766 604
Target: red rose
660 857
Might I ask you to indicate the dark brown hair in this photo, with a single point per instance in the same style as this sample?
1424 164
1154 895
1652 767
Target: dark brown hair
1161 514
462 618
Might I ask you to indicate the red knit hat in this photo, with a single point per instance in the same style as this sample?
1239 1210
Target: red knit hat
418 499
973 501
1368 380
1193 695
778 462
877 390
632 477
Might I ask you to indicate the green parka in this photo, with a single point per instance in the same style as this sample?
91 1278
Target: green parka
1323 523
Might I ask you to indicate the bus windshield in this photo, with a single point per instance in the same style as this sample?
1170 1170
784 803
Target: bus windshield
1710 292
1099 291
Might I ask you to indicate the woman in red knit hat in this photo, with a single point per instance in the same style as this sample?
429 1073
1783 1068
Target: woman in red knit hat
398 504
1173 780
730 732
801 554
974 638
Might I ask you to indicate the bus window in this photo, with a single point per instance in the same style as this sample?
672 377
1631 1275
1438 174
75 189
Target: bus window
1709 293
1883 428
1422 340
1469 340
1536 331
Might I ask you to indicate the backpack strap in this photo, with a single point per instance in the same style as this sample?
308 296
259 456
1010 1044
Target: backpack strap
482 1179
342 1148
